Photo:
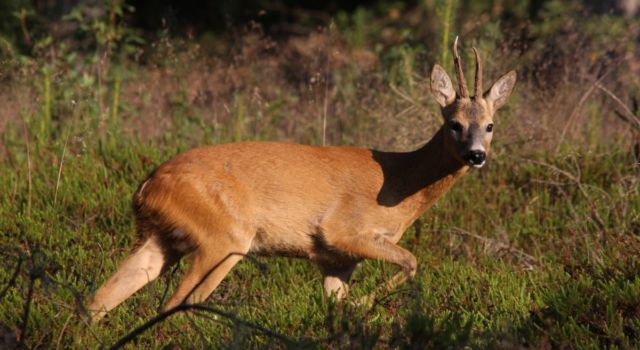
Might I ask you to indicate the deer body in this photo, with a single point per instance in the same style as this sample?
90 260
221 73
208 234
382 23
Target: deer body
332 205
287 199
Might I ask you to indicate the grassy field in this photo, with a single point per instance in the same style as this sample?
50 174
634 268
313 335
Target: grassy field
529 251
538 249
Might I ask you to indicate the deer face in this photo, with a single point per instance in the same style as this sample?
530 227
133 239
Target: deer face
469 120
469 129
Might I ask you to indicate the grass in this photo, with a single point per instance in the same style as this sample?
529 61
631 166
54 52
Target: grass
529 251
539 249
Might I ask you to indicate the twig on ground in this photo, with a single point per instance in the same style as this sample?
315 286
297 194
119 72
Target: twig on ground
198 307
528 260
629 116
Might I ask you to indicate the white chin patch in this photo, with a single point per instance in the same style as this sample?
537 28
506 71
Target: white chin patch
477 166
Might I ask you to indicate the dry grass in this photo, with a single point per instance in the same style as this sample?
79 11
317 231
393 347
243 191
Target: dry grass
283 90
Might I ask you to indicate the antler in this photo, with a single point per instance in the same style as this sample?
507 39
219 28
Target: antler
464 91
478 85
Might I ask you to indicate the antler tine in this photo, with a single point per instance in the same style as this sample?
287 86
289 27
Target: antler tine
478 84
464 91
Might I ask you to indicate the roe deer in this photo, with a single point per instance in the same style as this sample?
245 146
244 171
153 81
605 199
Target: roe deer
332 205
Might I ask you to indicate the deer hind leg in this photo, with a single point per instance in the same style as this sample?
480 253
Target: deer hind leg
144 265
209 265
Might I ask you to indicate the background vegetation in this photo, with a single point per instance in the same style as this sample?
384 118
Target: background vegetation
539 249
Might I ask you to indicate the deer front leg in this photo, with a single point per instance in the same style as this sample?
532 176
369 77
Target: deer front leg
336 279
378 247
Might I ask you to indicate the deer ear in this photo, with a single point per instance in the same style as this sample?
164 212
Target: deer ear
441 87
501 90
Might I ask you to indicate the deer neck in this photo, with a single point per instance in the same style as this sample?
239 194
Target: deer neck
413 181
435 170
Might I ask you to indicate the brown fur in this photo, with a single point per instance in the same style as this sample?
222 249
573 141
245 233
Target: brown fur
332 205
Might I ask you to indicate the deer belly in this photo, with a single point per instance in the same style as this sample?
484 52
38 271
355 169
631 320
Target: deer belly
277 243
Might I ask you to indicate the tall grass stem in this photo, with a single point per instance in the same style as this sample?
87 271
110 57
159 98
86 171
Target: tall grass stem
29 167
446 21
46 108
64 151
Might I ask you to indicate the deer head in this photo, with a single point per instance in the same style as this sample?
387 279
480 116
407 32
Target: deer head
469 120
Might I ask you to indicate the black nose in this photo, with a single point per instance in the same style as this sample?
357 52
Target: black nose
476 157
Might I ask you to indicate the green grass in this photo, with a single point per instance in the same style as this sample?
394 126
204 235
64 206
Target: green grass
520 253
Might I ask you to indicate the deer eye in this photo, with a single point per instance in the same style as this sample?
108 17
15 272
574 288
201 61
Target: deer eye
455 126
490 127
